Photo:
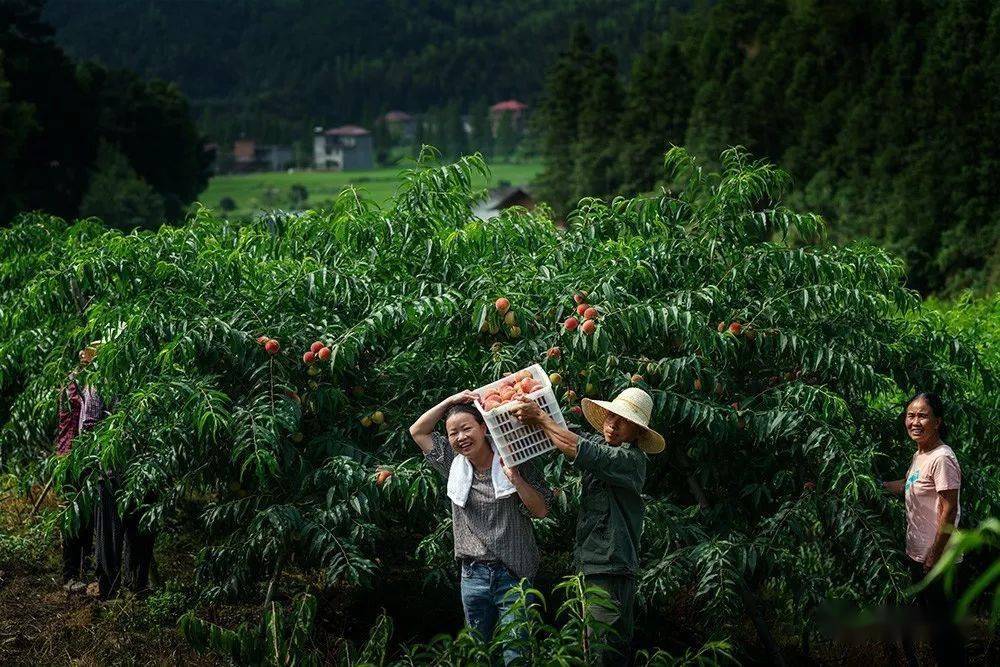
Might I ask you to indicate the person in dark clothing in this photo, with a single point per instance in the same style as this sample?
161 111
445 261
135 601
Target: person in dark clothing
76 415
609 528
123 548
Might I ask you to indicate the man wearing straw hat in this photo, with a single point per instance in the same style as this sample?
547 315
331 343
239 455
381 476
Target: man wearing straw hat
609 528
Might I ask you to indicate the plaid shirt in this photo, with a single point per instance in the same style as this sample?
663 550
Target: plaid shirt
491 529
92 410
69 417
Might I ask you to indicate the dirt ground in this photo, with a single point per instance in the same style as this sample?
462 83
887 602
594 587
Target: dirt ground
40 624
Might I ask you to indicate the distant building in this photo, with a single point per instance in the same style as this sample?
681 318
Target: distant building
243 154
401 125
249 156
343 148
515 109
501 198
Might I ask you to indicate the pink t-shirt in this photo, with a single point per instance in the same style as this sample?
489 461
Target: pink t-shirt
929 473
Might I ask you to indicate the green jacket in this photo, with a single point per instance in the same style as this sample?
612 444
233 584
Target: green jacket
611 506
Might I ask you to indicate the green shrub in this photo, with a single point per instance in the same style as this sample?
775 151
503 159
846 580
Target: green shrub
778 434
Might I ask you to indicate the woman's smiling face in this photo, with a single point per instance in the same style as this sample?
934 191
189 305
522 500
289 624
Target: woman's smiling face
465 434
922 425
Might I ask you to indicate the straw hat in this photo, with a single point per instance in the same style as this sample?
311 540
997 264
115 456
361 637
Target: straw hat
634 405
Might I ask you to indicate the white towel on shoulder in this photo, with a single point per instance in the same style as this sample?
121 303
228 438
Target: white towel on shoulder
460 480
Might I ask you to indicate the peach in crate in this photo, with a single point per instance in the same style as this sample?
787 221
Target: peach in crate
515 441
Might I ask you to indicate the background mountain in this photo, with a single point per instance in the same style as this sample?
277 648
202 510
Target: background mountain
274 69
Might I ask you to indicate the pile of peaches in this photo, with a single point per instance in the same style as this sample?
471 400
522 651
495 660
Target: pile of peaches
512 389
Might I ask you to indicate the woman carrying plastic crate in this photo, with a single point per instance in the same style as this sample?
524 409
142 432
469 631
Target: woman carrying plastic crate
613 470
491 508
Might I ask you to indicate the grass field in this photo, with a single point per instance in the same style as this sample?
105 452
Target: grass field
251 192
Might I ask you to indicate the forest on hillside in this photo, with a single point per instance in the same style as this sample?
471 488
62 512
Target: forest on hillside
78 139
884 114
275 69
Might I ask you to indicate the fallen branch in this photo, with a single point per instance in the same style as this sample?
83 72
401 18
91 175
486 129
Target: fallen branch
41 497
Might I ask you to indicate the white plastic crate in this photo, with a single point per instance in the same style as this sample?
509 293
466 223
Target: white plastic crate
515 441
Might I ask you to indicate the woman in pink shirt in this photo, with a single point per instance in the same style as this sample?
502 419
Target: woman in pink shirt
931 491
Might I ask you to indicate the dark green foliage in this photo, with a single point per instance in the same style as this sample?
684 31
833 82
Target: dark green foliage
597 127
56 113
657 105
482 134
271 70
381 141
557 120
117 195
832 344
227 204
280 639
455 141
878 110
507 137
17 123
297 196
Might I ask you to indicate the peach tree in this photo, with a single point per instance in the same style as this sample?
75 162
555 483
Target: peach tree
778 363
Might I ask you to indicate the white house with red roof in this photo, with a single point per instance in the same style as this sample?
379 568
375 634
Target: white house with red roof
343 148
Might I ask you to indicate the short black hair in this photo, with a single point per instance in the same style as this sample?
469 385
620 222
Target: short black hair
464 409
937 407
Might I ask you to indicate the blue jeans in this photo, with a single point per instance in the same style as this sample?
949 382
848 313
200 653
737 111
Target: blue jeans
484 586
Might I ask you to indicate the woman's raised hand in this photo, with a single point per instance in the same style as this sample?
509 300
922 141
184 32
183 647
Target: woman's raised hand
466 396
513 474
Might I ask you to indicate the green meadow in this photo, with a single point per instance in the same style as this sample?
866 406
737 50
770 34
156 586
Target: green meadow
252 192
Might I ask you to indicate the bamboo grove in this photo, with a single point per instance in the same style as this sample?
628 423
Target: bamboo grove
766 503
